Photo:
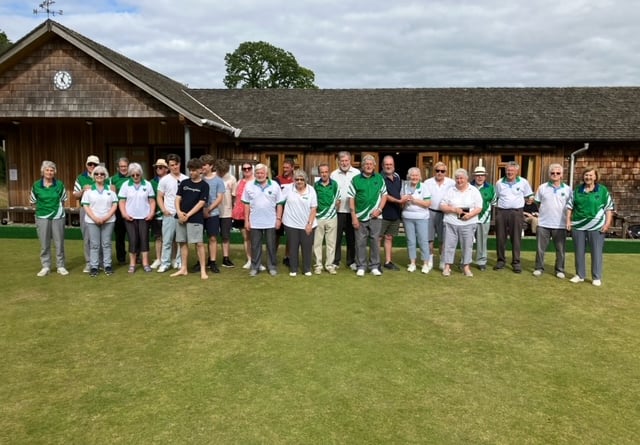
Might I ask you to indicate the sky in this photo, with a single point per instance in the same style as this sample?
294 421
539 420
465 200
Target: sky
367 43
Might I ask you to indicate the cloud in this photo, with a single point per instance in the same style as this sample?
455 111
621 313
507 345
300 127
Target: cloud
369 44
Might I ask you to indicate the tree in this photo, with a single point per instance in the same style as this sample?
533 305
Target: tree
262 65
5 43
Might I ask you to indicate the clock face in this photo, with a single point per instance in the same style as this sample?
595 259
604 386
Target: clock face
62 80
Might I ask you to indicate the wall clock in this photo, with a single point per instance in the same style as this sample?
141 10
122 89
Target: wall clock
62 80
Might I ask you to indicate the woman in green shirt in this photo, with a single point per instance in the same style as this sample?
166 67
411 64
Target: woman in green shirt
48 195
589 216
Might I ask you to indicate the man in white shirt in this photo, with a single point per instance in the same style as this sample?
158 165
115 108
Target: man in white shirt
166 201
437 187
343 176
552 198
512 191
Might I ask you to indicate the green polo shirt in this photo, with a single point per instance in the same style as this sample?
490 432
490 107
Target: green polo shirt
367 193
48 200
327 197
488 193
589 209
117 180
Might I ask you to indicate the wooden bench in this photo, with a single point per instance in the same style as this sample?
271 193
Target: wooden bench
26 215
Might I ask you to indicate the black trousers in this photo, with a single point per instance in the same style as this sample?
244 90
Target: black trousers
345 226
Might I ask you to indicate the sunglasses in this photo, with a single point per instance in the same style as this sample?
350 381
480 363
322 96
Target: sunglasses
299 179
555 173
246 169
135 175
441 171
92 164
99 174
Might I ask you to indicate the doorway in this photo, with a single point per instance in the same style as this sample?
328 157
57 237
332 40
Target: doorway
403 161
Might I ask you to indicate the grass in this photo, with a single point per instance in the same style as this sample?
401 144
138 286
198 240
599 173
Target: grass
404 358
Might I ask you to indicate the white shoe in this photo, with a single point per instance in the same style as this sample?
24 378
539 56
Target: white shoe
360 273
262 268
560 275
62 271
86 269
441 265
426 269
376 272
318 270
43 272
353 266
307 274
537 273
175 265
292 274
411 268
596 283
247 265
331 270
156 264
576 279
163 269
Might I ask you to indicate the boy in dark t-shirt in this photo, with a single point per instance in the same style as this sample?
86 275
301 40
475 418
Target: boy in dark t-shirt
191 197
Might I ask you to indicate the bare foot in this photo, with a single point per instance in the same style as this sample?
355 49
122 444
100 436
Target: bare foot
204 276
179 273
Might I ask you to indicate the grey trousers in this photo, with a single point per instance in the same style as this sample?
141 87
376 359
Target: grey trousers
100 241
369 231
51 229
256 236
454 234
482 235
595 240
299 240
559 237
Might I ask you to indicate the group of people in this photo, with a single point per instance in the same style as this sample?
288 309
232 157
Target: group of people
362 206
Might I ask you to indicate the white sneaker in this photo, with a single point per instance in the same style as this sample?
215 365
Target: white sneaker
376 272
426 269
247 265
292 274
175 265
411 268
163 269
318 270
262 268
537 273
86 269
360 273
353 266
596 283
331 270
560 275
43 272
307 274
156 264
63 271
576 279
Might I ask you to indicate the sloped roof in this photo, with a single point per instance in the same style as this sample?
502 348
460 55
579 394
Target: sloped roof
173 94
549 114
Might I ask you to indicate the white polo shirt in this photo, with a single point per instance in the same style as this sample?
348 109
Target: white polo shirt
553 205
298 208
414 211
100 202
262 200
511 195
469 198
344 181
438 190
136 197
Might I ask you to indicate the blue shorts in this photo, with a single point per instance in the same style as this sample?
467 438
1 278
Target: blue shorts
212 225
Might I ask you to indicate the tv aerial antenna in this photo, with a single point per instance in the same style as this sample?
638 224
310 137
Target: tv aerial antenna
46 6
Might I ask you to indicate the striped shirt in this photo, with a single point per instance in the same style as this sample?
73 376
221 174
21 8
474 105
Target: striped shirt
590 208
327 198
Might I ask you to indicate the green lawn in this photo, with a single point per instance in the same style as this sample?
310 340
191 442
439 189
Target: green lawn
403 358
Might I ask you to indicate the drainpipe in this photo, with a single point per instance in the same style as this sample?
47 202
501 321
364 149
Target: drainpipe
573 162
235 132
187 144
